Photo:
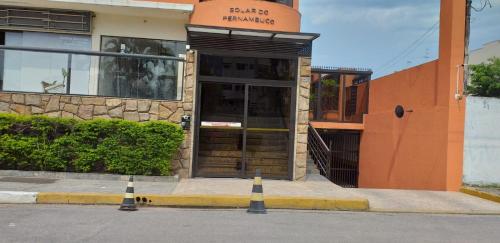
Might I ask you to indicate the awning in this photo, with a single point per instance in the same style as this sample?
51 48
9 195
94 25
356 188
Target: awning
247 40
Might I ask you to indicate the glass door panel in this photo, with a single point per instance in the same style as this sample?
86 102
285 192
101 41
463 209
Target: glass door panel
268 131
220 148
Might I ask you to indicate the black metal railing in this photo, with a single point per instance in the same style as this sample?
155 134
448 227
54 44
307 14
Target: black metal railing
67 71
344 148
319 152
339 160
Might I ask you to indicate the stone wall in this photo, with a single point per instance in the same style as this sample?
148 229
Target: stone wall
90 107
303 87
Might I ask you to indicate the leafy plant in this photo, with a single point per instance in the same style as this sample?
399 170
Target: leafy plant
112 146
330 83
485 79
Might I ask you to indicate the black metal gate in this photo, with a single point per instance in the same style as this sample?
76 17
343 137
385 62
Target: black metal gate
344 146
336 153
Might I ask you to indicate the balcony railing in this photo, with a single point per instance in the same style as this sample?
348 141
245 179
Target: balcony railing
64 71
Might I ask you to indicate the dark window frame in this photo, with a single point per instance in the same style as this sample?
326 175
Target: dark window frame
293 84
177 98
257 81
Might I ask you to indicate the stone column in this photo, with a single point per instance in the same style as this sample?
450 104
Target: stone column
184 168
302 120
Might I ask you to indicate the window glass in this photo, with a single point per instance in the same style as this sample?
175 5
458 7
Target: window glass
45 72
248 67
140 78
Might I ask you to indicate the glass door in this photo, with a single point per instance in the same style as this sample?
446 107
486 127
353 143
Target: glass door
220 139
268 124
244 127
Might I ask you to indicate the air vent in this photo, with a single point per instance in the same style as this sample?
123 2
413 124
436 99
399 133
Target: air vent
45 20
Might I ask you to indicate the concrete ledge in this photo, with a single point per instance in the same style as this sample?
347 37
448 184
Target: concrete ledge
208 201
87 176
483 195
18 197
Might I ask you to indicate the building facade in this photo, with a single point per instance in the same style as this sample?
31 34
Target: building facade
486 52
237 73
409 134
481 148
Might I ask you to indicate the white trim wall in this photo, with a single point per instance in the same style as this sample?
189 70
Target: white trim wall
131 26
482 141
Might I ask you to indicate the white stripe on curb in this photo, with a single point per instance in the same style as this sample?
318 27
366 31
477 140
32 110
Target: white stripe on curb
18 197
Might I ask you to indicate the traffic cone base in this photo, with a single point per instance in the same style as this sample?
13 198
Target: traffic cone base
128 203
257 205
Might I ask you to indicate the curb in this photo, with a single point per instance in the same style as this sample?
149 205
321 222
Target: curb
18 197
437 212
206 201
480 194
86 176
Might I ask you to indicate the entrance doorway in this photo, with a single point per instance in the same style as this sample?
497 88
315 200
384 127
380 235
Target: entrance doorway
244 126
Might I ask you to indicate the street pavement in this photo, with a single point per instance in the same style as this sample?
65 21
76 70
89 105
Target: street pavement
64 223
313 186
380 199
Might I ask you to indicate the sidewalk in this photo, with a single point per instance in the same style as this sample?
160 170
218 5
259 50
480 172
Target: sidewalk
313 193
41 184
385 200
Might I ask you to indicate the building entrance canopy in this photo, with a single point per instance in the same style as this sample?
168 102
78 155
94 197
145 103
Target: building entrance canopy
275 43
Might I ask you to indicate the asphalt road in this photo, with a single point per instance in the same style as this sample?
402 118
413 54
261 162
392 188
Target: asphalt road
58 223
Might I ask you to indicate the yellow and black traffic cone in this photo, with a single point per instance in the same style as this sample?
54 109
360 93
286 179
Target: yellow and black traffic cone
257 200
128 203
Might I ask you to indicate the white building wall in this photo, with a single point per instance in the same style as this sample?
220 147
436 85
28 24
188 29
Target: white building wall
482 141
138 19
489 50
139 27
107 24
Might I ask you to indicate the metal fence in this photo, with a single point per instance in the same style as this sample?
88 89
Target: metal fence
319 152
336 153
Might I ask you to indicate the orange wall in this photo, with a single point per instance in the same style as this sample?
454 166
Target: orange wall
423 150
212 12
406 153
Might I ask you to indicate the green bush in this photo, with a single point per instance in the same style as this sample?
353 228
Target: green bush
485 79
112 146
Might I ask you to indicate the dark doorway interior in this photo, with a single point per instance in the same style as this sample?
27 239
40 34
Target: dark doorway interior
244 127
2 42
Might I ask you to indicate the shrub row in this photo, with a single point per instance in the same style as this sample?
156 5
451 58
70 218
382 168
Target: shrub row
112 146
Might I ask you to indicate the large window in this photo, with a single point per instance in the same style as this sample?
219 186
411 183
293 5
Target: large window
339 97
141 78
44 72
248 67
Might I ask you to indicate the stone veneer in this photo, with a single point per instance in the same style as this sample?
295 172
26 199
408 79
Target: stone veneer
304 84
90 107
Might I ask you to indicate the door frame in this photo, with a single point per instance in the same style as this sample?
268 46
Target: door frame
292 84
